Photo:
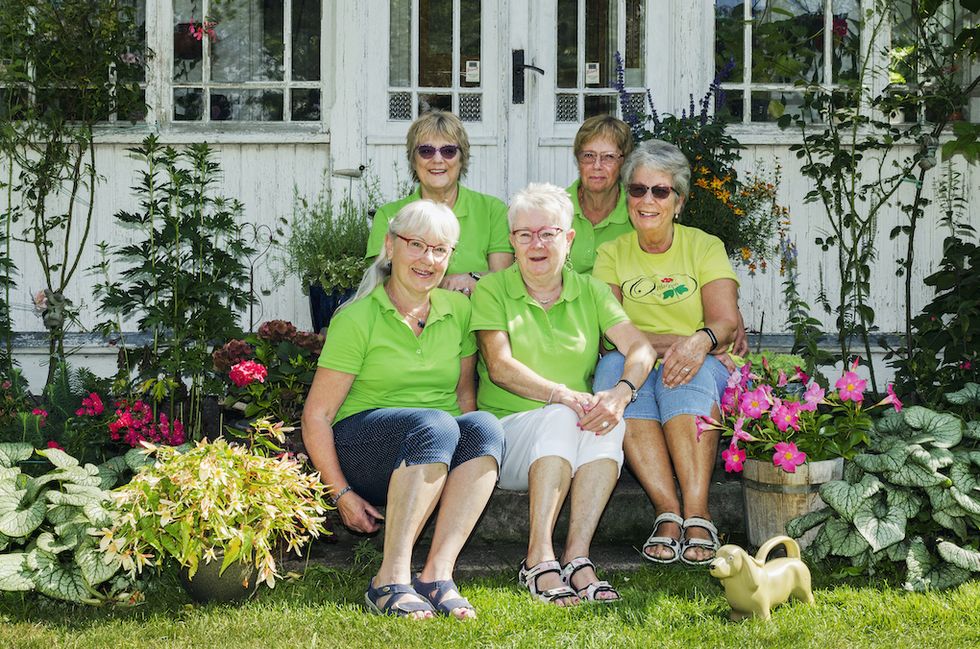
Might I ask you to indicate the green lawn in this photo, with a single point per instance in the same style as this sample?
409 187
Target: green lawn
668 607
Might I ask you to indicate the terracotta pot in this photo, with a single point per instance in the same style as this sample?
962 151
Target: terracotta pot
773 497
237 584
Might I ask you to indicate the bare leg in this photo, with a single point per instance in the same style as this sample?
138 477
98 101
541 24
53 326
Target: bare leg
591 487
648 456
548 481
693 472
467 491
413 492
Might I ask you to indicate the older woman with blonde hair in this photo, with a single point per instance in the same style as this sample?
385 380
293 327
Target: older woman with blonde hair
677 285
438 151
389 419
539 326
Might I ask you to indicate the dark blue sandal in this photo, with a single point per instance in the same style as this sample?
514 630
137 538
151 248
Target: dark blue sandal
437 592
394 604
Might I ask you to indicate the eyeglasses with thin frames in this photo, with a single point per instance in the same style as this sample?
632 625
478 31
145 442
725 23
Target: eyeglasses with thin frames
418 247
428 151
660 192
605 159
546 235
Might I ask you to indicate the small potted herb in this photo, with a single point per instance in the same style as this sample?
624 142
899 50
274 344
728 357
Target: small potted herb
220 511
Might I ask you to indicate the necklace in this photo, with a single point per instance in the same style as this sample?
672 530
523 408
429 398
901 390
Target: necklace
411 313
543 301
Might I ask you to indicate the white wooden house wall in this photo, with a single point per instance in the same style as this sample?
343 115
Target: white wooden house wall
263 166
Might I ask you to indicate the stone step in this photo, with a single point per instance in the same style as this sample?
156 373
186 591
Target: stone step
628 519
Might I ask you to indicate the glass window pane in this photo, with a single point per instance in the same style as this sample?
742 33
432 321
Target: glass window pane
400 105
248 43
787 41
567 64
246 105
188 104
400 43
728 106
729 37
470 69
305 104
600 43
635 44
600 105
768 106
901 53
435 43
846 48
429 102
188 45
306 40
566 108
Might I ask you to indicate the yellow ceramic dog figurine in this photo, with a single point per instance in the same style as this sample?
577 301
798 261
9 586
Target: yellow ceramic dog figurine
753 585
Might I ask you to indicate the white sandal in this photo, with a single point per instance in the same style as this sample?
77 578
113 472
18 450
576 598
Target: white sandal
669 542
589 591
710 544
529 577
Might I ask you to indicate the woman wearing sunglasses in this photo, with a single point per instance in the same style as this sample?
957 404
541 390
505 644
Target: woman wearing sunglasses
390 416
539 325
677 285
598 199
438 154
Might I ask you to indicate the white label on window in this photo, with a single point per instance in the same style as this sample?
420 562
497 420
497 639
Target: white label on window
591 73
472 72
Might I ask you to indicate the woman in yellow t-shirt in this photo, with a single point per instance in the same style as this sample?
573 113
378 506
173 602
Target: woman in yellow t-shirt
678 287
390 417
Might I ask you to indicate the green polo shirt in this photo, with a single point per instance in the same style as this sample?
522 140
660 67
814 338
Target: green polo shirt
588 237
393 367
482 229
561 344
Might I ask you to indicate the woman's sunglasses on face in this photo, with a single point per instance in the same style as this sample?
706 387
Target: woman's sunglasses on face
660 192
427 151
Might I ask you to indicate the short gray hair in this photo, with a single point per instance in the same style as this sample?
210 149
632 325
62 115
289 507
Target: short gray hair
543 197
659 155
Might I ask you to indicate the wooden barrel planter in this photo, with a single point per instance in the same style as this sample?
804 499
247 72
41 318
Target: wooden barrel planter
773 497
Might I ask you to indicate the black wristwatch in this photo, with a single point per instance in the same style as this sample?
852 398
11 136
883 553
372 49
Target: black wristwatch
631 387
476 276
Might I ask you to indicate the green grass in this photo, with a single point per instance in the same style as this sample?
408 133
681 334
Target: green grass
667 607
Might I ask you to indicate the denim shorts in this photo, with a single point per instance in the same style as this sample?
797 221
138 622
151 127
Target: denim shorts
659 403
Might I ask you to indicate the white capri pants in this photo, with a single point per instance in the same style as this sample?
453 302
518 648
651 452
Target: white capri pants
553 430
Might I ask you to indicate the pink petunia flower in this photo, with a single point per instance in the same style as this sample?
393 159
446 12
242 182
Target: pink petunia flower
891 398
814 394
739 434
966 365
850 387
41 414
786 416
705 423
729 400
801 375
787 457
783 379
247 372
754 403
734 458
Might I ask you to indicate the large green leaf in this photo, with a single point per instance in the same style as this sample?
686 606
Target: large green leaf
972 430
820 547
970 393
967 502
14 573
909 502
844 539
846 498
7 474
99 515
803 524
965 476
96 567
60 581
58 458
942 498
75 475
13 452
108 476
938 428
951 522
961 557
913 474
899 551
63 513
880 525
880 462
137 458
853 473
80 497
890 424
23 520
47 542
933 458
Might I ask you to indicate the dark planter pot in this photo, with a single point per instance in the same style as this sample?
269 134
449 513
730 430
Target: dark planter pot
237 584
323 305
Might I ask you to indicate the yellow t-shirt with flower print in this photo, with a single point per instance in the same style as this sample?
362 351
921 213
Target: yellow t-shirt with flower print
662 292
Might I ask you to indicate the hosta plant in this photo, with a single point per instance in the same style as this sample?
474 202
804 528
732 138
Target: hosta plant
913 498
215 502
47 527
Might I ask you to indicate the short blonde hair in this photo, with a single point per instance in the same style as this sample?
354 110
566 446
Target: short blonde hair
438 123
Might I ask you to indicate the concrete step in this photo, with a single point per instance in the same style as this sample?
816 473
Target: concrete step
627 521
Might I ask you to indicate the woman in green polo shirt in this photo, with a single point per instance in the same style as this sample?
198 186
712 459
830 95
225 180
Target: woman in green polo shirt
390 416
539 326
439 154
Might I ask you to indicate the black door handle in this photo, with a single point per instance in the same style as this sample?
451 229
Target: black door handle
517 75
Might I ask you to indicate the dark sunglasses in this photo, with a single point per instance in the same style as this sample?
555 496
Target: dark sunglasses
447 151
660 192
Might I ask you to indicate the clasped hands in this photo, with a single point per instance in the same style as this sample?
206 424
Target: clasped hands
597 413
